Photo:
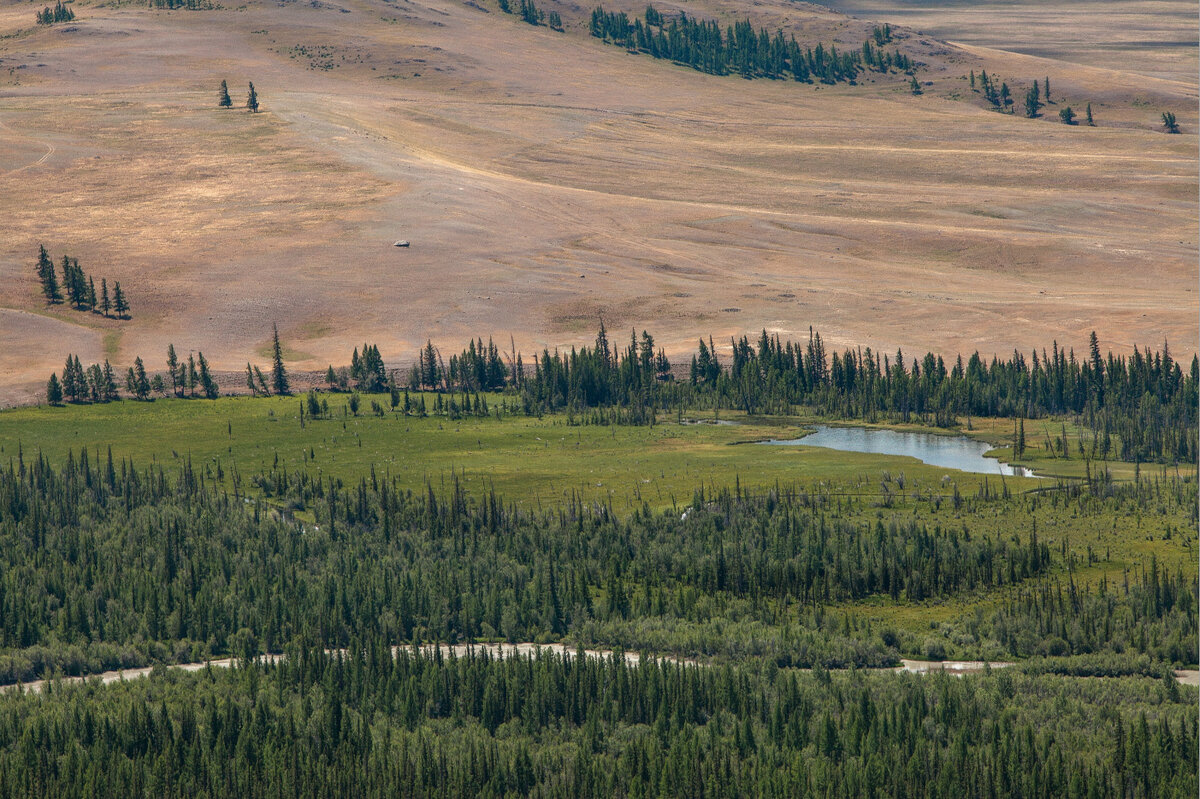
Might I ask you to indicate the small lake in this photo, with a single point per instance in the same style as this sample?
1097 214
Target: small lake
949 452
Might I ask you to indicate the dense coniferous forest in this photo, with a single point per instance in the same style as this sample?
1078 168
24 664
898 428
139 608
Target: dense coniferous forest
739 50
371 722
105 564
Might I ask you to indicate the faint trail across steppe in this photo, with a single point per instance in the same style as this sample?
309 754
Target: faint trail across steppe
49 151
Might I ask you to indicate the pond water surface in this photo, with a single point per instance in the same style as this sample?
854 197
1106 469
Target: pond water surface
950 452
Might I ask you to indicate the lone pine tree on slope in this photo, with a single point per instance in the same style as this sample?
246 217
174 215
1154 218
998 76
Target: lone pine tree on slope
252 100
223 99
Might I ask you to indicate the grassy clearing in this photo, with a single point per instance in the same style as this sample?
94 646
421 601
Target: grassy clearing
526 460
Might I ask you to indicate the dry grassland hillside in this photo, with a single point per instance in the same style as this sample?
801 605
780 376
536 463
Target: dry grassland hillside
547 179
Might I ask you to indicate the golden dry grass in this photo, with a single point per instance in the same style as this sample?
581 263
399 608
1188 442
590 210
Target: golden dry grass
546 179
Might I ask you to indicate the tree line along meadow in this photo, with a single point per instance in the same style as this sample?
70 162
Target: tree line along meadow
1137 408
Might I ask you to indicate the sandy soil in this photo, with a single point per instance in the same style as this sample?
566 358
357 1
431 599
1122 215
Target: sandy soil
546 180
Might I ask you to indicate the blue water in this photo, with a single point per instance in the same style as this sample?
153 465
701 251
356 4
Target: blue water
950 452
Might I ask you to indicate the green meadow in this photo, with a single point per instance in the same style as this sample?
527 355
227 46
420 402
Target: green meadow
545 462
526 460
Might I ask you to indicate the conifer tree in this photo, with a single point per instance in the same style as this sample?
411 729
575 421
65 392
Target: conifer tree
207 384
45 270
173 368
223 100
252 99
136 380
110 383
120 304
913 86
70 285
1091 124
250 379
54 392
91 295
1067 116
1033 101
105 302
262 382
72 379
1168 118
279 378
1047 92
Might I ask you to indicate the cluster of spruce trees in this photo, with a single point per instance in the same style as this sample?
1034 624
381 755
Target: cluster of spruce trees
280 383
367 371
739 50
528 11
80 288
60 13
373 723
95 384
98 383
190 379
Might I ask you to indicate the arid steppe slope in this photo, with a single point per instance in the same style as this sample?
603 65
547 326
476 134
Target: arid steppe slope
546 180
